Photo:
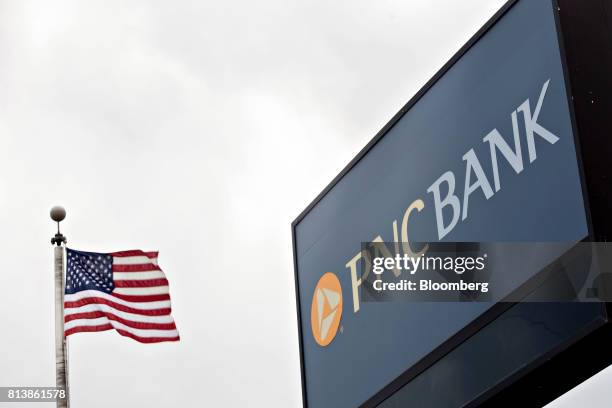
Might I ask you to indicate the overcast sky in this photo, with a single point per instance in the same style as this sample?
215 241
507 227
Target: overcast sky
201 129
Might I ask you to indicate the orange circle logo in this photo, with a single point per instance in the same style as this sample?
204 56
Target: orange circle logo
326 309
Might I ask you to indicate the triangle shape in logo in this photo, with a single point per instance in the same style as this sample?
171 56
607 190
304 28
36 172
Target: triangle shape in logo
333 298
326 324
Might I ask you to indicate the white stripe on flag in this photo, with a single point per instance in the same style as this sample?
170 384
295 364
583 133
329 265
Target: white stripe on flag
133 260
103 320
124 315
138 275
85 294
155 290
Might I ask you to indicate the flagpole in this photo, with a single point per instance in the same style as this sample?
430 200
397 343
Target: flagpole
61 350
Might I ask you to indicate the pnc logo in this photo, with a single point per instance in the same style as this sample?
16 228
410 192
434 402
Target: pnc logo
326 309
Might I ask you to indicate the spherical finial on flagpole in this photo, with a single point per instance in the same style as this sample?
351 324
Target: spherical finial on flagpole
58 214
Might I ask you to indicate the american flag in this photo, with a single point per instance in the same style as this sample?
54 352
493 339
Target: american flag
126 291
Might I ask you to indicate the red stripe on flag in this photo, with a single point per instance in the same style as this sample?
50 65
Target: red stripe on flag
147 339
135 252
146 283
129 323
136 268
95 300
143 298
88 329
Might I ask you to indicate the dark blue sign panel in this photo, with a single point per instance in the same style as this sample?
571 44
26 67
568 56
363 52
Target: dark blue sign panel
487 153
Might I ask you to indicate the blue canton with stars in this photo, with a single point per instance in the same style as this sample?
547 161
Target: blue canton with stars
89 271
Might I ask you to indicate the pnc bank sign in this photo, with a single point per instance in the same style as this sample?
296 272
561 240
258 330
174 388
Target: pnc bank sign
450 203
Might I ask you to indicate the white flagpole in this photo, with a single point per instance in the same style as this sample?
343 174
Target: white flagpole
61 350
